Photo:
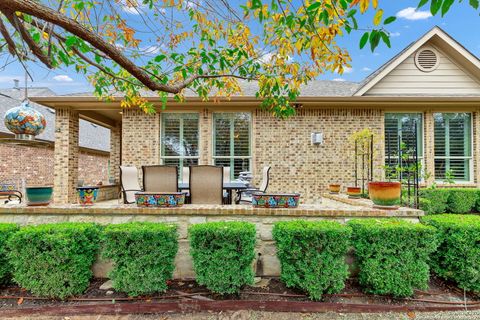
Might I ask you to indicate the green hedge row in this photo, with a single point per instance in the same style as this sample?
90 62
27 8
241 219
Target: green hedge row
458 256
461 200
55 260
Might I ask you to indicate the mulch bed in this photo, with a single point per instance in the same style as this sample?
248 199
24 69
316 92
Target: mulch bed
269 295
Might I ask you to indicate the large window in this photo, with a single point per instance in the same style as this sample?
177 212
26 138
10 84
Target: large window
453 146
231 141
179 139
400 129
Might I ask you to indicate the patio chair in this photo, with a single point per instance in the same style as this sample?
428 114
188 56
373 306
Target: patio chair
160 178
129 183
206 185
246 195
226 178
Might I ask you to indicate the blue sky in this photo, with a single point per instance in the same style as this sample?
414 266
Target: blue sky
462 23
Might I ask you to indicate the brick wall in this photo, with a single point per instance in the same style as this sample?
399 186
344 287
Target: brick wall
35 165
298 166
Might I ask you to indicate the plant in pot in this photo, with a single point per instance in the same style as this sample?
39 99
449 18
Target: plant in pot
38 195
334 188
354 192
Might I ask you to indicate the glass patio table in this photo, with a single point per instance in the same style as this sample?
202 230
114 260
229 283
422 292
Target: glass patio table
227 186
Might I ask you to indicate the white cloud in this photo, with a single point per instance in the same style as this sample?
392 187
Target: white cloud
191 4
412 13
376 54
62 78
339 79
347 70
151 50
394 34
366 69
132 6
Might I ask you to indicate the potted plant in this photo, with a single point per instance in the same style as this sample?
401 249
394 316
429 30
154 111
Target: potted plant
385 194
38 195
354 192
334 188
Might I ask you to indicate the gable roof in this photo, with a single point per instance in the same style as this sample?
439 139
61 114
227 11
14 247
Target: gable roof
91 136
436 33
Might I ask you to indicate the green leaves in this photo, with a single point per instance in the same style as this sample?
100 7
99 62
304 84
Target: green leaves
364 40
389 20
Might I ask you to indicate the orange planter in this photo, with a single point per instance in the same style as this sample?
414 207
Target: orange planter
385 193
334 188
354 192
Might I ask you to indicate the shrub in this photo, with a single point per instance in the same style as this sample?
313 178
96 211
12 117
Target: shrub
222 254
143 256
6 231
461 200
54 260
312 255
434 201
392 255
458 256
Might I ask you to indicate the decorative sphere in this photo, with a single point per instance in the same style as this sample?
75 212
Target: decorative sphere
24 119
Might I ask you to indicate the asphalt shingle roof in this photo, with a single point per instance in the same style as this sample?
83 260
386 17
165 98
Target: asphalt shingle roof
92 136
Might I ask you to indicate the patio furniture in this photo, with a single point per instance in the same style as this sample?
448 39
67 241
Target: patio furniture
129 183
229 187
246 194
206 184
160 178
9 191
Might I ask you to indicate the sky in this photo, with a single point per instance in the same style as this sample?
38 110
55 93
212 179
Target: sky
461 22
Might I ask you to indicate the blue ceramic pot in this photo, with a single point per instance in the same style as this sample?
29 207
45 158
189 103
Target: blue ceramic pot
87 195
38 196
275 200
160 199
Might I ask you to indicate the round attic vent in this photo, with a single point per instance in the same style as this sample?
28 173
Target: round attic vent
427 59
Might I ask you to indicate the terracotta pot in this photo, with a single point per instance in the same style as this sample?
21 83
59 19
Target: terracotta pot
354 192
334 188
385 193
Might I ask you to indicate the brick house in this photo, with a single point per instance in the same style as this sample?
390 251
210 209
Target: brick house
33 163
434 82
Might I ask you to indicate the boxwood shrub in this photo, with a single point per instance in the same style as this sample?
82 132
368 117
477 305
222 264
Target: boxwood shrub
312 255
434 201
222 254
392 255
458 256
54 260
6 231
461 200
143 254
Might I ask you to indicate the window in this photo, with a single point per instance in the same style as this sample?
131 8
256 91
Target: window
231 141
453 146
179 139
400 131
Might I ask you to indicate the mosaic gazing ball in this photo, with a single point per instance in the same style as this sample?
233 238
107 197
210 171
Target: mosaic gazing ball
25 120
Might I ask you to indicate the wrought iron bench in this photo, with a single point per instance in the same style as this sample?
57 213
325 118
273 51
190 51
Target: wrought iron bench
9 191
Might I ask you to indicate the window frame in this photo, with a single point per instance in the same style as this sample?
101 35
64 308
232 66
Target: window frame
420 133
231 138
181 157
469 158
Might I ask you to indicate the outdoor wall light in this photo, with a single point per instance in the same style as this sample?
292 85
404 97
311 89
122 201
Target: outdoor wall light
316 138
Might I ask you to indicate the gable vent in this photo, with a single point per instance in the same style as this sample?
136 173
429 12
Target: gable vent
427 60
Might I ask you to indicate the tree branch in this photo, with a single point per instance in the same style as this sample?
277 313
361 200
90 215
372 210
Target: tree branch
12 48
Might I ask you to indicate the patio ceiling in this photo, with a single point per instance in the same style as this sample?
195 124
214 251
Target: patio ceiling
109 113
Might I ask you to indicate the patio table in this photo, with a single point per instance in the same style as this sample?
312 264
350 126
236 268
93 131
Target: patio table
227 186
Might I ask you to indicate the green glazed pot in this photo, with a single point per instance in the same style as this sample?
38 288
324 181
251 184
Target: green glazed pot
39 196
385 194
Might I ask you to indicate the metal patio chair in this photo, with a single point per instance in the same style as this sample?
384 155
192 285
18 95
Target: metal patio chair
129 183
246 195
206 184
160 178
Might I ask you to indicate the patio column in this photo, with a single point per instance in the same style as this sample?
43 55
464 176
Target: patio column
66 155
476 147
115 152
429 152
206 127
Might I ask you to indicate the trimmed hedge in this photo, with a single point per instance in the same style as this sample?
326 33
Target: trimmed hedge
6 231
392 255
458 256
54 260
461 200
222 254
434 201
312 255
143 254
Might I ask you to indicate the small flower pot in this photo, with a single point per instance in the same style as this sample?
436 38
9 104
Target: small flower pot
87 195
38 195
354 192
160 199
385 194
275 200
334 188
